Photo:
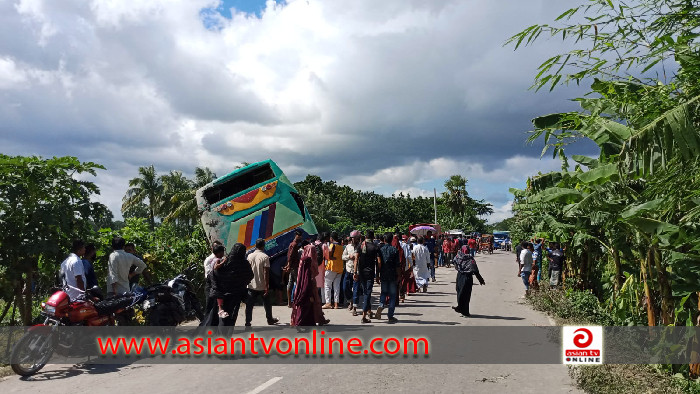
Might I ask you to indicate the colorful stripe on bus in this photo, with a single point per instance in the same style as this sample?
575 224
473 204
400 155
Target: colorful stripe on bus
260 226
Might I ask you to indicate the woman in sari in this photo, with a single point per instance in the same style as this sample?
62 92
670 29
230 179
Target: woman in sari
402 267
306 307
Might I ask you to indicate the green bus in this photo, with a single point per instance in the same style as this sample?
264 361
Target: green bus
256 201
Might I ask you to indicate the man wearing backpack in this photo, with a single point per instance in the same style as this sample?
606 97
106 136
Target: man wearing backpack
368 258
389 272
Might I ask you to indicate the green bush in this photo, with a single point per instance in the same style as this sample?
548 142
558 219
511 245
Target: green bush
571 305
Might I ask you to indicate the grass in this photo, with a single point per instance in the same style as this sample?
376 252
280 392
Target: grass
579 308
629 379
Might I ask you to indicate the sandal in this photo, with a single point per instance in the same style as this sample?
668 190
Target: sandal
366 320
354 313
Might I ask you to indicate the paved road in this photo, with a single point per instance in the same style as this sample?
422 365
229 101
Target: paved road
496 304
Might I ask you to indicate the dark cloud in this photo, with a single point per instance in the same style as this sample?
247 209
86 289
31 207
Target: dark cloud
356 91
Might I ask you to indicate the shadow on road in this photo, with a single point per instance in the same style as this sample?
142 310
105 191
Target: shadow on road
75 370
473 316
421 322
436 292
424 303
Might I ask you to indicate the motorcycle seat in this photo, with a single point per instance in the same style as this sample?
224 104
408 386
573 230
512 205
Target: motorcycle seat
114 304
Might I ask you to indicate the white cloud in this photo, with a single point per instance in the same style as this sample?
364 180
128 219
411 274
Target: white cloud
391 95
502 212
510 170
10 75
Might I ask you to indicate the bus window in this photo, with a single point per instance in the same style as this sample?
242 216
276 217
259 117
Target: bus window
300 203
241 182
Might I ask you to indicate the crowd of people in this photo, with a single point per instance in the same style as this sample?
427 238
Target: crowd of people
332 272
123 268
529 257
324 272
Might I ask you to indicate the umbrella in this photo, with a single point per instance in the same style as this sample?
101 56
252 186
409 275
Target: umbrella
422 230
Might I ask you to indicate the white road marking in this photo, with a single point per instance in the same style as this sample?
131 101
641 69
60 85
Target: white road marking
265 385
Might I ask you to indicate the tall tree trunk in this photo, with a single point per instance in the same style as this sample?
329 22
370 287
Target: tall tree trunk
694 365
651 315
8 304
27 293
19 301
151 218
587 282
618 270
582 267
664 286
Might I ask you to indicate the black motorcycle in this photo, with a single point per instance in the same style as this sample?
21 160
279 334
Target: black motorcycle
172 302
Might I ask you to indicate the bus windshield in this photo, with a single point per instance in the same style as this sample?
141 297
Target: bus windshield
238 183
256 201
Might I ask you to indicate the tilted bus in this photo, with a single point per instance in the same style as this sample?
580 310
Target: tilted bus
256 201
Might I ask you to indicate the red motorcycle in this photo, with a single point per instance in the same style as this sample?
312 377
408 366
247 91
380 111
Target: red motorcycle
38 344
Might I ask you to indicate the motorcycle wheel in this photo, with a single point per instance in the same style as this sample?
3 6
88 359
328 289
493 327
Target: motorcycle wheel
31 353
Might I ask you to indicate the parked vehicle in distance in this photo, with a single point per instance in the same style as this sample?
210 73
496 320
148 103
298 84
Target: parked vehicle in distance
499 239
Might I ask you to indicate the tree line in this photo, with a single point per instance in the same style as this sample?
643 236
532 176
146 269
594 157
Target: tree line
629 217
46 203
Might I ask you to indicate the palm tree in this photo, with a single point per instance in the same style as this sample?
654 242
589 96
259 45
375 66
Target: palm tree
174 184
147 186
184 205
455 196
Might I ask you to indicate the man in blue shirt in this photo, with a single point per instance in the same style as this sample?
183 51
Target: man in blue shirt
537 255
88 270
389 272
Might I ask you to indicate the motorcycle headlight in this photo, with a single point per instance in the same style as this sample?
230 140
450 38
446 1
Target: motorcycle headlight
50 310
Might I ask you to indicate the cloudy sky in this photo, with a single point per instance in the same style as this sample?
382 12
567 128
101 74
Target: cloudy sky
391 95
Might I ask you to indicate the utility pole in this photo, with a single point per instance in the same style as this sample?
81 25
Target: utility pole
435 204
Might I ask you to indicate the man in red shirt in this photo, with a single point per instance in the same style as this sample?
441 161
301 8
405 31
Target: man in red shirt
447 251
455 249
472 246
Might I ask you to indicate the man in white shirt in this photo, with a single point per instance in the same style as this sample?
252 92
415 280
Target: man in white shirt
72 273
526 265
349 258
260 285
208 266
120 262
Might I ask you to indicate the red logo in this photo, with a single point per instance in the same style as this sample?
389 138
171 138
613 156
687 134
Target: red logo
584 339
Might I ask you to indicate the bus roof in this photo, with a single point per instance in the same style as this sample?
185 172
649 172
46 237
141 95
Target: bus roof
246 168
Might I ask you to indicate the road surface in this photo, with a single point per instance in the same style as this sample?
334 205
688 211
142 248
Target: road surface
496 304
